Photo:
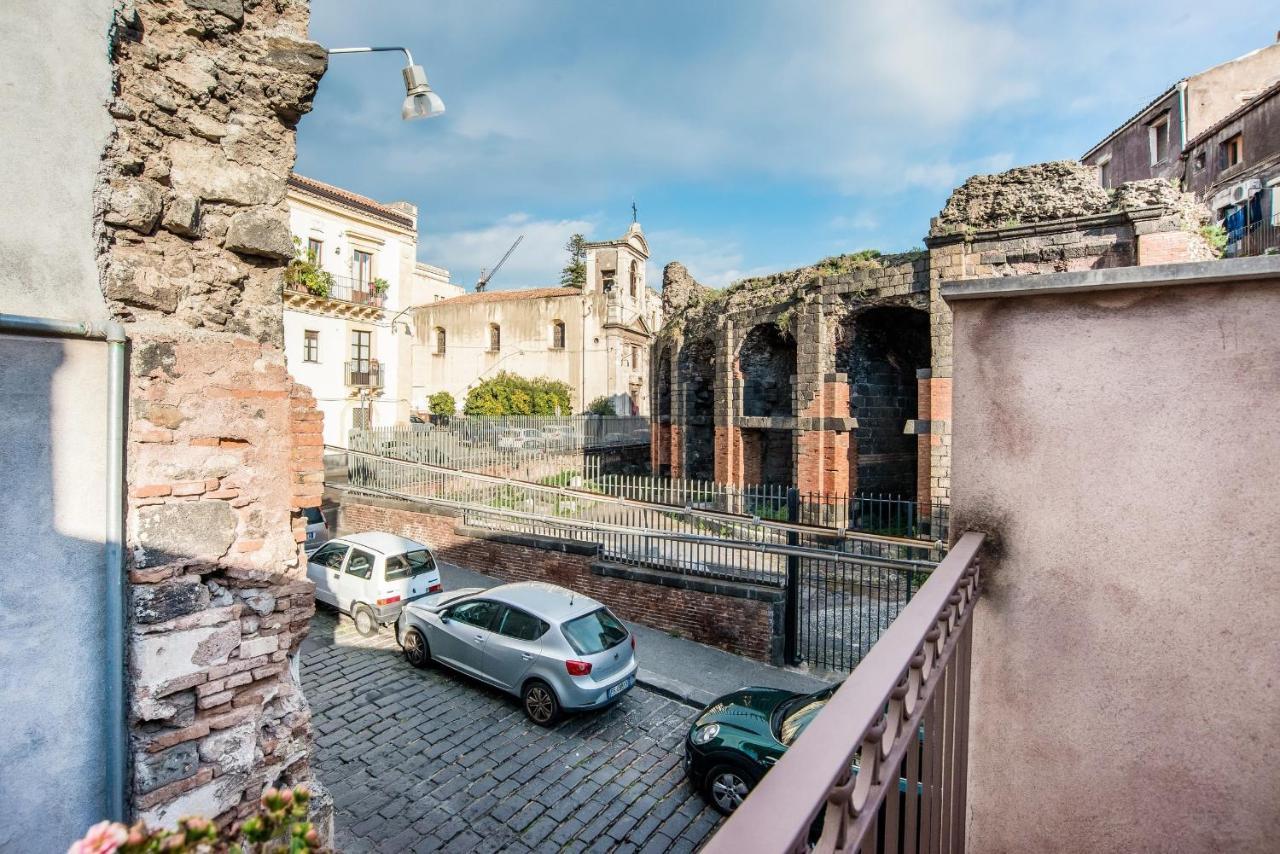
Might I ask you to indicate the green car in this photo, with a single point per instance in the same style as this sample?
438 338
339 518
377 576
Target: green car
740 736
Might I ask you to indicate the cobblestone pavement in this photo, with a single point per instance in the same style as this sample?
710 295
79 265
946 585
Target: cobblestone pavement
430 760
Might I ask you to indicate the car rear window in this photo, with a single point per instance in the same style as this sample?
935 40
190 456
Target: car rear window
314 516
409 564
594 632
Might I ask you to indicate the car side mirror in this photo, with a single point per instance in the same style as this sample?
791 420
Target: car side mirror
444 618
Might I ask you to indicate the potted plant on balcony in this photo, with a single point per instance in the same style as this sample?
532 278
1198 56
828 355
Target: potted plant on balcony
380 288
304 274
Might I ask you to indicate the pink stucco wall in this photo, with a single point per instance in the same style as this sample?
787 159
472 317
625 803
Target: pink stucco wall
1124 446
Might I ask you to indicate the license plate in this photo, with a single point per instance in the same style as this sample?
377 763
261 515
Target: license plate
620 687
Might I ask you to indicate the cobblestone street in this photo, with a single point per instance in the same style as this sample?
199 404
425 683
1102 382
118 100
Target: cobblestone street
433 760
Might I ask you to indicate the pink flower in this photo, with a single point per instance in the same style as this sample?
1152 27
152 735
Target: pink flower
103 838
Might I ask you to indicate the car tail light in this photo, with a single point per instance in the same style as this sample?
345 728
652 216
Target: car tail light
577 668
435 588
633 643
389 600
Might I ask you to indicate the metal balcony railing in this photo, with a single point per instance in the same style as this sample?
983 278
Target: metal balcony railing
1259 238
883 766
341 288
364 374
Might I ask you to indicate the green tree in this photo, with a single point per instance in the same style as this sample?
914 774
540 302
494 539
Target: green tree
511 394
442 403
602 406
574 274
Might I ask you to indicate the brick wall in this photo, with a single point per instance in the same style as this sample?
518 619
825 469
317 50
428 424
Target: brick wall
746 626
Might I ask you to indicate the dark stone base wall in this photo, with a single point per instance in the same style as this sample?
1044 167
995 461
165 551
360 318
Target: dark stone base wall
745 619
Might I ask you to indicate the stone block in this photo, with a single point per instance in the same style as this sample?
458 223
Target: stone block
159 661
262 233
211 799
203 529
254 647
134 204
202 170
156 603
182 215
232 750
153 770
260 601
140 286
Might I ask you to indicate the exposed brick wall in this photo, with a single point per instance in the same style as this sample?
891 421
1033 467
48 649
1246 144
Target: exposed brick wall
740 625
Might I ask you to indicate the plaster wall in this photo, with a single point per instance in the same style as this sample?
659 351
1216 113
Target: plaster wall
51 749
1127 643
55 129
1217 92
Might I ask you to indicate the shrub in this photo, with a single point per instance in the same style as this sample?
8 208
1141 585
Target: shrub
511 394
305 270
279 825
1216 237
602 406
442 403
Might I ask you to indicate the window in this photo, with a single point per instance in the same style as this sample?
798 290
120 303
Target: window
1158 133
360 418
608 284
361 350
362 268
635 278
310 346
360 565
442 340
408 565
557 335
521 626
495 337
1104 172
315 250
330 555
1199 161
479 613
1232 151
635 357
594 632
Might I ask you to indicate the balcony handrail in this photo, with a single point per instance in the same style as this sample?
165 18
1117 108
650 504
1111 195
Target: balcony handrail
874 716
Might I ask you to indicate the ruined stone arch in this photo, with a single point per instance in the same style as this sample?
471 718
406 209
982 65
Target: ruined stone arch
766 361
696 372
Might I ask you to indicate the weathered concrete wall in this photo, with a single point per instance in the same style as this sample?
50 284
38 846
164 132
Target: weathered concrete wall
55 127
1127 641
52 630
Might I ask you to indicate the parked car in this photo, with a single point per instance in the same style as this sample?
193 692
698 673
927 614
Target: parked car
317 529
521 437
740 736
558 436
555 649
372 576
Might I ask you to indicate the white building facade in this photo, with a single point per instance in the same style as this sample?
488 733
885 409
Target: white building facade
595 339
347 331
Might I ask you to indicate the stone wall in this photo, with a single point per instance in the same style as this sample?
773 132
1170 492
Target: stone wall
223 448
742 618
889 429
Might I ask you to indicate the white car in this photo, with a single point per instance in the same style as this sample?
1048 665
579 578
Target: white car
372 576
525 437
317 529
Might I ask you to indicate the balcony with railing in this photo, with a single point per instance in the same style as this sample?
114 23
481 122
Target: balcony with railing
364 374
1258 238
883 767
341 293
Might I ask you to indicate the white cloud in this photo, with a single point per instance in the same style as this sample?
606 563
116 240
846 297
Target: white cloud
465 252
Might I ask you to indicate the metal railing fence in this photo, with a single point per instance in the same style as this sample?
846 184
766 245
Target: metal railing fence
885 763
866 512
342 288
1259 238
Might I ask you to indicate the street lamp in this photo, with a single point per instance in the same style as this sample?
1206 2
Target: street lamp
421 102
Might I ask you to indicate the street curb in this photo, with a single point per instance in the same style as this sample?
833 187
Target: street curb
674 689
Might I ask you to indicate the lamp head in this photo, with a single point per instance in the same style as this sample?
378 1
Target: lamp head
420 101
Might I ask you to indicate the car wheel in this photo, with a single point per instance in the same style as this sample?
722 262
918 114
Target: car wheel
540 703
727 786
365 622
416 651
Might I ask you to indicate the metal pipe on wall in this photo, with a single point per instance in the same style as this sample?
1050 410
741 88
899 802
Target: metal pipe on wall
117 722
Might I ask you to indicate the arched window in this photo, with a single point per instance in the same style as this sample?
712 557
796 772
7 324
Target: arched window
635 278
441 340
495 337
557 335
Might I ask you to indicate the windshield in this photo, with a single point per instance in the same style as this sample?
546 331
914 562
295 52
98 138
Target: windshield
594 632
409 564
794 715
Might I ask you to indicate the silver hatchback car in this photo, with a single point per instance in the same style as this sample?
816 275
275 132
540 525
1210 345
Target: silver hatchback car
553 648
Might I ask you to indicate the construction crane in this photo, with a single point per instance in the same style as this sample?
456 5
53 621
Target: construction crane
486 275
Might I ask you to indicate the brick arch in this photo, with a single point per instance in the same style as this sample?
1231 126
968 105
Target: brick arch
766 361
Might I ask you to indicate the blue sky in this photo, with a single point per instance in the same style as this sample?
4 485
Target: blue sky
754 135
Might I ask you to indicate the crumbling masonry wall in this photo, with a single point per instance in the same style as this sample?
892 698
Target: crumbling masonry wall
852 392
223 448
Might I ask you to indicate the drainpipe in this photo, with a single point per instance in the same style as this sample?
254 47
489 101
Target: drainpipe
116 725
1182 115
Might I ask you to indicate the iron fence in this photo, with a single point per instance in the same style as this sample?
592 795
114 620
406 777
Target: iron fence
884 765
1259 238
342 288
872 513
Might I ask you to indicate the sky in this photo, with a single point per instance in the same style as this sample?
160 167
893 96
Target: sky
753 135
